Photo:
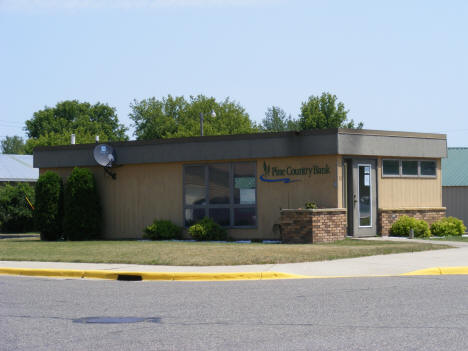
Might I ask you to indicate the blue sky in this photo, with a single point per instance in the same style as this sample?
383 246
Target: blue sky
396 65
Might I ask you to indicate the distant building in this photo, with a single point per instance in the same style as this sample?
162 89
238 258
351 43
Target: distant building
455 182
17 168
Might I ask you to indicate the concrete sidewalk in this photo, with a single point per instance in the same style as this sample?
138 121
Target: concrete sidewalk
394 264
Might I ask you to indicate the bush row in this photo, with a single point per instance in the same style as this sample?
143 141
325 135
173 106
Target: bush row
205 229
443 227
72 210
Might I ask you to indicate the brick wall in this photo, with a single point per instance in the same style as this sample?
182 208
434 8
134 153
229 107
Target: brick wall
387 216
313 226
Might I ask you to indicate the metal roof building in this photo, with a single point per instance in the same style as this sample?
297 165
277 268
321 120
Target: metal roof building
455 182
455 167
17 168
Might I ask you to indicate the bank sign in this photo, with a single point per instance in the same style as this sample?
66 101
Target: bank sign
288 173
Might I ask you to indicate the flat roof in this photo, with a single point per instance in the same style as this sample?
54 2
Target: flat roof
252 146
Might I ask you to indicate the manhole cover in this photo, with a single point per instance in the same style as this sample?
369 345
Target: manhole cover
114 320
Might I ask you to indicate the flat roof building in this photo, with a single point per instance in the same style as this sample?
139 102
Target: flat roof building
247 182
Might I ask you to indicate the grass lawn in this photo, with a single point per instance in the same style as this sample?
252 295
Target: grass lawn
195 253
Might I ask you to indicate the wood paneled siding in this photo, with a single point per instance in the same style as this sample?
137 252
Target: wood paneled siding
143 192
397 192
455 198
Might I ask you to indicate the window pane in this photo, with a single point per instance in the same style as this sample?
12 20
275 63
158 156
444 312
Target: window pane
409 167
391 167
218 184
244 183
428 168
195 185
245 216
220 216
193 215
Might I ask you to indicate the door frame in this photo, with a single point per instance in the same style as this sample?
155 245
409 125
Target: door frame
351 195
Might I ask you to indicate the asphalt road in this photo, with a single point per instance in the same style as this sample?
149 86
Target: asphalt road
411 313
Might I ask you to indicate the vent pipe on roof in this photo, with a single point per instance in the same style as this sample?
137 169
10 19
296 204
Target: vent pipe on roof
72 139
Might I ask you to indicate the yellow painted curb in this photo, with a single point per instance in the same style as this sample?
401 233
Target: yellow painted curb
180 276
440 271
195 276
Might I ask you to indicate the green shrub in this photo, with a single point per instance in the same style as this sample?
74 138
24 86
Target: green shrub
402 226
48 212
162 230
16 214
207 229
82 220
448 226
311 205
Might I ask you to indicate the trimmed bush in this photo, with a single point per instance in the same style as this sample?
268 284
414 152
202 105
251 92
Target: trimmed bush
311 205
162 230
82 220
16 214
448 226
48 212
207 229
402 226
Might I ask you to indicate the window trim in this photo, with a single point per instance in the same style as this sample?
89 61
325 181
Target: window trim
427 176
410 175
391 175
400 168
231 205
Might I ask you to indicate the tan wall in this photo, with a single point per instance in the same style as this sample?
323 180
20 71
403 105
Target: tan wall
272 197
144 192
139 194
397 192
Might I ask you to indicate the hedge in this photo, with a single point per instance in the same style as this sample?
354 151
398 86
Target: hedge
82 220
48 212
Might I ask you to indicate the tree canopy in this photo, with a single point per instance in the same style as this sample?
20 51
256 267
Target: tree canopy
322 112
12 145
276 120
54 125
172 117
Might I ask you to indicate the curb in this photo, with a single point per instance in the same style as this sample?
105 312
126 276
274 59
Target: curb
440 271
195 276
135 276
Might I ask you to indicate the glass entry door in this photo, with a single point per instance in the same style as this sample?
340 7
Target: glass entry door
364 198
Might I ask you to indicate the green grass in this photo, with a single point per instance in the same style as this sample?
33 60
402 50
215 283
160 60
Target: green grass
196 253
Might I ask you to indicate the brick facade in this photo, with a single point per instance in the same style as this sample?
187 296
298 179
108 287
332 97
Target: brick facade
387 216
313 226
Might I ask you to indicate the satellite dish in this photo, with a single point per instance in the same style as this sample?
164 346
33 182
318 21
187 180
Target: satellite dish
104 155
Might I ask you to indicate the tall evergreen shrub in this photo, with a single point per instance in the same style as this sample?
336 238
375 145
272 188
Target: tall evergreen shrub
16 214
82 209
48 211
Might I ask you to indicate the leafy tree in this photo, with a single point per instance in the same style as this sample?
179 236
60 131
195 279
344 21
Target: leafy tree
16 214
276 121
54 125
173 117
322 112
12 145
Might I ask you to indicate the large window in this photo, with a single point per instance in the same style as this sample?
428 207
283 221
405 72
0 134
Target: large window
225 192
408 168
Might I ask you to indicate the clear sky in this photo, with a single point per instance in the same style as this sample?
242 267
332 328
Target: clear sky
396 65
